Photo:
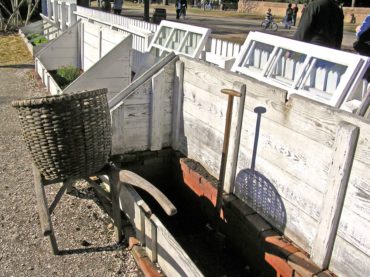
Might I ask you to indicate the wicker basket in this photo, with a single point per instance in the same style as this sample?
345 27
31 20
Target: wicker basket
67 135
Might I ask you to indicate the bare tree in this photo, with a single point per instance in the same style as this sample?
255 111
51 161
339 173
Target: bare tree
12 19
248 5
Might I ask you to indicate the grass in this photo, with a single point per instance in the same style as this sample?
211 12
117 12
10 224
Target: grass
13 50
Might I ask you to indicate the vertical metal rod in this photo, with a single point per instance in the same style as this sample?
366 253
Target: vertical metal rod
259 111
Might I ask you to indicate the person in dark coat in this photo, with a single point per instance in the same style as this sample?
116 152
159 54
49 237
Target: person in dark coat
321 24
288 19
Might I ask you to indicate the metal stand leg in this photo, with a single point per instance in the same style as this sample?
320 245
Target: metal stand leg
42 207
116 210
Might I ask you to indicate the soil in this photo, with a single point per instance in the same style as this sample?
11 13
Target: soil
84 232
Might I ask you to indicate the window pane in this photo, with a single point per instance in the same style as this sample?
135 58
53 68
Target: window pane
257 56
191 43
176 39
287 66
324 78
163 35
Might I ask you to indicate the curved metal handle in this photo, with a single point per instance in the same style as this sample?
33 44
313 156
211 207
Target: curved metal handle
126 176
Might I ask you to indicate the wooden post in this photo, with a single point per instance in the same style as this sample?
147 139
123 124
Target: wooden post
116 210
338 177
158 85
63 15
55 12
235 135
177 103
151 239
49 8
72 18
42 207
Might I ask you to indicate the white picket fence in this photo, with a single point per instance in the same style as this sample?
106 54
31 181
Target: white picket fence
61 13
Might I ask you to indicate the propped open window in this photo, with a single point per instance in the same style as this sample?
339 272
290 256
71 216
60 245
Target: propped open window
324 74
179 38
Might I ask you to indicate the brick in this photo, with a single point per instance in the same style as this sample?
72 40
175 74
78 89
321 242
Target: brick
191 178
280 265
184 166
279 246
209 191
303 265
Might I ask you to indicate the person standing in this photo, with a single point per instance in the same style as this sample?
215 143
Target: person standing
178 9
321 24
295 12
362 43
288 16
184 6
117 6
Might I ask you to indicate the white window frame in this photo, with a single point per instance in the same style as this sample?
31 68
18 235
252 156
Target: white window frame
204 32
356 67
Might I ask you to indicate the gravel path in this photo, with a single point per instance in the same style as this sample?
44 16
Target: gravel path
83 230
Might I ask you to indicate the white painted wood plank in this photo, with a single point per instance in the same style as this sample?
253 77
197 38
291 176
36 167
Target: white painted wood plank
114 65
344 148
171 257
358 192
283 147
301 195
151 239
355 230
349 261
177 103
61 51
158 84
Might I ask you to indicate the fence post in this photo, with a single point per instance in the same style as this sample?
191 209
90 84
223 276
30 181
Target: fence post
338 177
63 15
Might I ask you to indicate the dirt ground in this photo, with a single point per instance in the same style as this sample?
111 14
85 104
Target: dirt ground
83 230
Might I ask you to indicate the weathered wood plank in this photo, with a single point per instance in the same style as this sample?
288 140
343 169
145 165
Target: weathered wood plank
344 149
158 83
355 230
304 197
151 239
197 102
124 94
171 257
114 65
42 207
347 260
358 192
61 51
284 147
213 79
114 186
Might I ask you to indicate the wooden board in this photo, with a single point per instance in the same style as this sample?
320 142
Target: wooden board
62 51
91 44
358 192
347 260
344 148
113 71
171 257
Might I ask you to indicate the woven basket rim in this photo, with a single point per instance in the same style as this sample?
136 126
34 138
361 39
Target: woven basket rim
38 101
